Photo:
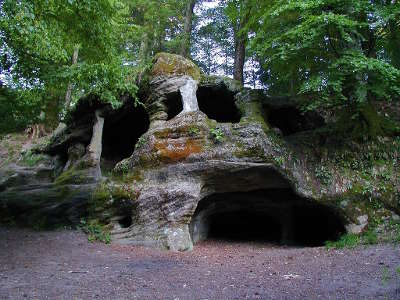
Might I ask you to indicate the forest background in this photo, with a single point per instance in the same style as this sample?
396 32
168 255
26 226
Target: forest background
333 55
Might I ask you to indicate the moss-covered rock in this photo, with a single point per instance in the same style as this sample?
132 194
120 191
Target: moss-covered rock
166 64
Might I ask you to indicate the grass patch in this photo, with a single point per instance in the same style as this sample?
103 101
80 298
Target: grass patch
385 276
370 237
30 159
348 240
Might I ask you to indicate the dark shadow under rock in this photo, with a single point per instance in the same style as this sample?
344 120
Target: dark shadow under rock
218 103
122 131
273 216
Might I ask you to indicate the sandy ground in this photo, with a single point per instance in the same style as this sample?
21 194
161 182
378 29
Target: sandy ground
63 265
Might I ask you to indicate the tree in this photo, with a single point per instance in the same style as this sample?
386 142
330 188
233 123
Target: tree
157 26
330 53
212 40
238 12
187 29
40 37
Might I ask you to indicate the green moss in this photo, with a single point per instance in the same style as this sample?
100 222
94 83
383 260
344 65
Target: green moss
231 84
107 195
255 151
72 176
255 114
136 175
172 64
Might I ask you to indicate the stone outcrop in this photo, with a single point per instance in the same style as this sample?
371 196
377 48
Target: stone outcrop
201 157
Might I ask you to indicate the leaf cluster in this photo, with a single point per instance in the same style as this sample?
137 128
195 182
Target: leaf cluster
328 53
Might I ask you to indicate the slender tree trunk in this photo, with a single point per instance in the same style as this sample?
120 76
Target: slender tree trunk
144 47
187 30
240 43
240 53
68 95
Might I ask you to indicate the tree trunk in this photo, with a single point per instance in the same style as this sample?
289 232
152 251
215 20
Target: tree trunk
70 85
240 53
144 47
187 30
240 43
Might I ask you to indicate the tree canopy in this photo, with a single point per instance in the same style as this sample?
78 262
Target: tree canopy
327 54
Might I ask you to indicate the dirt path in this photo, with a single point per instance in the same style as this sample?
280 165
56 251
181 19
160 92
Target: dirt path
63 265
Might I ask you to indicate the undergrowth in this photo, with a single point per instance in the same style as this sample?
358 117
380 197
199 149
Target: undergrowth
348 240
369 237
95 231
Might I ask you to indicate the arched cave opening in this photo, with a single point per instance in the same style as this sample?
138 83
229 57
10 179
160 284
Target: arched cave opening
276 216
125 222
291 120
122 131
174 104
218 103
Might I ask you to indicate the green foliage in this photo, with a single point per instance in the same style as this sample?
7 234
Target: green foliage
349 240
38 40
323 174
18 108
193 131
106 80
141 142
329 53
217 134
370 237
95 231
211 38
31 159
156 26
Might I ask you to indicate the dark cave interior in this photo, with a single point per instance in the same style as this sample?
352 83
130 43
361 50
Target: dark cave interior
218 103
122 131
291 120
276 216
174 104
125 221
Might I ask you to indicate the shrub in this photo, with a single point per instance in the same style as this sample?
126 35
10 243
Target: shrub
217 134
95 231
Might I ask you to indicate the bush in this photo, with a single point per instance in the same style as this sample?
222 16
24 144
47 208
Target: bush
217 134
95 231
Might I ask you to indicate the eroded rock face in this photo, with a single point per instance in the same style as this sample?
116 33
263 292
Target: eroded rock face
209 155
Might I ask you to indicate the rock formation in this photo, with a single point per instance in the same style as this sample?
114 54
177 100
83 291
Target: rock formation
202 158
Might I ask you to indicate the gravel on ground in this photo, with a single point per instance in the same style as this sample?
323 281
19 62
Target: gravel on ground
64 265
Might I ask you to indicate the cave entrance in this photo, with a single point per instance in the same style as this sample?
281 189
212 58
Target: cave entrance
218 103
174 105
291 120
122 131
276 216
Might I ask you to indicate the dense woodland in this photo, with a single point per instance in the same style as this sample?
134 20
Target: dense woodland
335 55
